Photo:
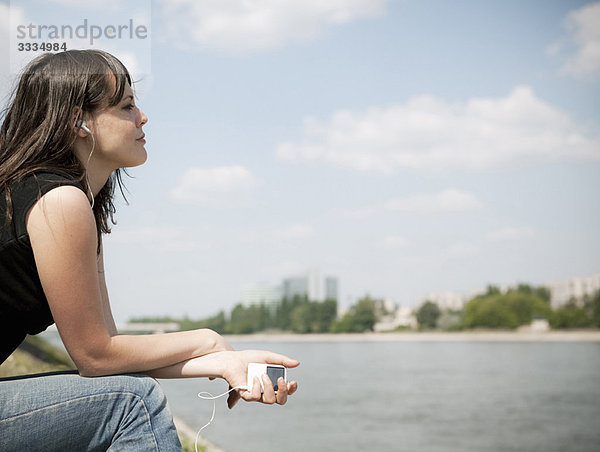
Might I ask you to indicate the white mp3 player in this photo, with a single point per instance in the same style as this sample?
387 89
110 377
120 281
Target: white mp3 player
273 371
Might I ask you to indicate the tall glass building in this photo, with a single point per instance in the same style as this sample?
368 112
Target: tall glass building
314 285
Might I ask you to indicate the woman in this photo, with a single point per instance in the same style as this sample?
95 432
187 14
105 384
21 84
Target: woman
72 125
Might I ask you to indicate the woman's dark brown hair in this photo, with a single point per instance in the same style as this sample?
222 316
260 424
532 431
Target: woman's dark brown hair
38 130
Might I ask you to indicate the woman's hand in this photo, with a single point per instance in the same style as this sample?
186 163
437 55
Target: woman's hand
235 371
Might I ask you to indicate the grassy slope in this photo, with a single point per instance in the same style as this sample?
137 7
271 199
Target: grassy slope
35 355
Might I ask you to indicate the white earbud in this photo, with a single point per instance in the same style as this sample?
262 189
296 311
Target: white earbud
81 123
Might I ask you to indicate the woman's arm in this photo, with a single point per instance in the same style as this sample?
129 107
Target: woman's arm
233 367
62 231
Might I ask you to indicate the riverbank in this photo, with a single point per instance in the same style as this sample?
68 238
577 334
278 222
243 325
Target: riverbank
187 436
459 336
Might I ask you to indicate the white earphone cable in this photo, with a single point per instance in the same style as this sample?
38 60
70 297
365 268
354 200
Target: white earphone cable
87 180
209 396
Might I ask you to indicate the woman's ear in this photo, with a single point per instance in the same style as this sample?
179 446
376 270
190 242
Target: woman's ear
78 123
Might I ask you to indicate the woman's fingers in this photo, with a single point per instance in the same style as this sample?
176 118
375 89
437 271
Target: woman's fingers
268 396
282 391
253 396
292 387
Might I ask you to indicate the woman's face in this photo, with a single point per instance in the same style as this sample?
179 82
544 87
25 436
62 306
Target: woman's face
118 134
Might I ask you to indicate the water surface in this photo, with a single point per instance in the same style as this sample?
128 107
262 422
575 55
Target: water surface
407 396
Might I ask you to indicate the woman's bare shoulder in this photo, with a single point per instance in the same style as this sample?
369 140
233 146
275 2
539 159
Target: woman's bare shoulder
68 195
62 209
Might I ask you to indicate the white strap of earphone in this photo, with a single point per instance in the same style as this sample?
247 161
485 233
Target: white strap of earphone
81 123
209 396
87 180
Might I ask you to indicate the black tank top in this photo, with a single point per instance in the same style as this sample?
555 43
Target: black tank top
23 305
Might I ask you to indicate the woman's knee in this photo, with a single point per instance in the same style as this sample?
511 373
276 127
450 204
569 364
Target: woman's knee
145 414
144 387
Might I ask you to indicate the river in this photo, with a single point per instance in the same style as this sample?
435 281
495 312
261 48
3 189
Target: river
414 396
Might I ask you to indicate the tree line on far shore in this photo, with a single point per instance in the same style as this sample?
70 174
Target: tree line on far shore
511 309
296 314
494 309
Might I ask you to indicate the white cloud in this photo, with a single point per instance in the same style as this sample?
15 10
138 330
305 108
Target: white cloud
392 242
218 186
459 250
448 200
430 134
145 234
158 237
242 26
583 27
136 67
358 214
296 231
510 233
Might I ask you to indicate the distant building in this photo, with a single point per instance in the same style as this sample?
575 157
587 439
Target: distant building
536 326
261 293
402 316
562 292
573 289
446 301
295 286
314 285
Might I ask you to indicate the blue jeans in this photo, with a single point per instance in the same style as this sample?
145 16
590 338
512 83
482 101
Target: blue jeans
66 412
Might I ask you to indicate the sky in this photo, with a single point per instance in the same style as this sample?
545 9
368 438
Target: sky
404 147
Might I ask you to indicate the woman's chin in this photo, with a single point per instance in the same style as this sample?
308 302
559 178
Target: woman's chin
139 159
